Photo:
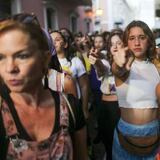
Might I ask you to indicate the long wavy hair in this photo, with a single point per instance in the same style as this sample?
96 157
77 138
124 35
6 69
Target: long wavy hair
114 32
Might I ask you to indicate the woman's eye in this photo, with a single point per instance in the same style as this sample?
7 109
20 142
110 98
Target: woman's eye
23 55
131 38
119 43
1 57
142 37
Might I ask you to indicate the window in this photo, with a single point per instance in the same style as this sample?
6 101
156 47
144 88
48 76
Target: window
73 24
51 18
87 22
5 8
88 26
158 13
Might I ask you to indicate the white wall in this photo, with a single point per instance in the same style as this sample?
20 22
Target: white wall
126 11
144 10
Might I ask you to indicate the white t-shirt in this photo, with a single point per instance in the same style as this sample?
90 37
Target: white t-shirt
75 68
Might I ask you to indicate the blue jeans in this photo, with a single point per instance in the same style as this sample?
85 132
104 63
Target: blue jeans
149 129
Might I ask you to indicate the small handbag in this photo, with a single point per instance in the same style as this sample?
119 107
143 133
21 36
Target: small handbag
140 150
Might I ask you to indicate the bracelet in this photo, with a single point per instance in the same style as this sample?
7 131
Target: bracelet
121 71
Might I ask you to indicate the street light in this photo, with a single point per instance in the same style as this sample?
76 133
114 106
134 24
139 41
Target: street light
99 12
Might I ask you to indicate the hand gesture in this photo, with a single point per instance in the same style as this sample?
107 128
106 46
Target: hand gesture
124 58
93 56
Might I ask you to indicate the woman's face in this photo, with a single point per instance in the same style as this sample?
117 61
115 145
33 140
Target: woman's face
138 42
21 62
78 41
65 33
58 41
98 42
116 43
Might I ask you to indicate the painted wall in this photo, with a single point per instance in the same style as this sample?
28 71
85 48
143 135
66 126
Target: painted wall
35 6
63 10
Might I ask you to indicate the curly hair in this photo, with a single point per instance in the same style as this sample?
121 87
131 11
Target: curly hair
151 50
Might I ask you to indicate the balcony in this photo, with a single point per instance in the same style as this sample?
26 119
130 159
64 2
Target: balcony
81 2
77 2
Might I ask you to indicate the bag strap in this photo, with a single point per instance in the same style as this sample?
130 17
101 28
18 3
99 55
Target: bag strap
1 100
70 108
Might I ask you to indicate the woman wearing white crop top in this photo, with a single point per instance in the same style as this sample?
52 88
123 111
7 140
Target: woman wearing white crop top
136 136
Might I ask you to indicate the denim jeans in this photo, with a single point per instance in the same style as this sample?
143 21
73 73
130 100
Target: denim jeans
149 129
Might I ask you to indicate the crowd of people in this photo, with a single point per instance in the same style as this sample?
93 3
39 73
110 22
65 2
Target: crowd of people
51 80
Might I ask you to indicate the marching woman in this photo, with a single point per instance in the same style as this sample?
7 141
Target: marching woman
137 132
35 122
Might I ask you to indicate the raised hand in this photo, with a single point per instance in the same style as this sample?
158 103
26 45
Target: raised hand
130 59
123 58
93 56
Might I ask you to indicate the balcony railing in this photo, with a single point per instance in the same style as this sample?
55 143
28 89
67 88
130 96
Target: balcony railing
81 2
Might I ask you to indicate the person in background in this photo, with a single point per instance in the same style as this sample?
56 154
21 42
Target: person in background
157 57
108 110
137 133
24 59
106 34
82 46
95 96
69 39
74 67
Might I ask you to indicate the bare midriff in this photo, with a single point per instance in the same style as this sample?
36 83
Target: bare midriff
140 117
109 97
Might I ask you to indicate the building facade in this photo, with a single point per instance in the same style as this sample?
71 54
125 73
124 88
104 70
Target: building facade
52 14
118 13
157 14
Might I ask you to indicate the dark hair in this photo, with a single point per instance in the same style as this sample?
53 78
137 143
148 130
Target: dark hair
70 35
115 32
66 50
100 35
79 34
151 51
106 34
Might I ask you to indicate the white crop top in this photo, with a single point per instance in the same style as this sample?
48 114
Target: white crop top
139 89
